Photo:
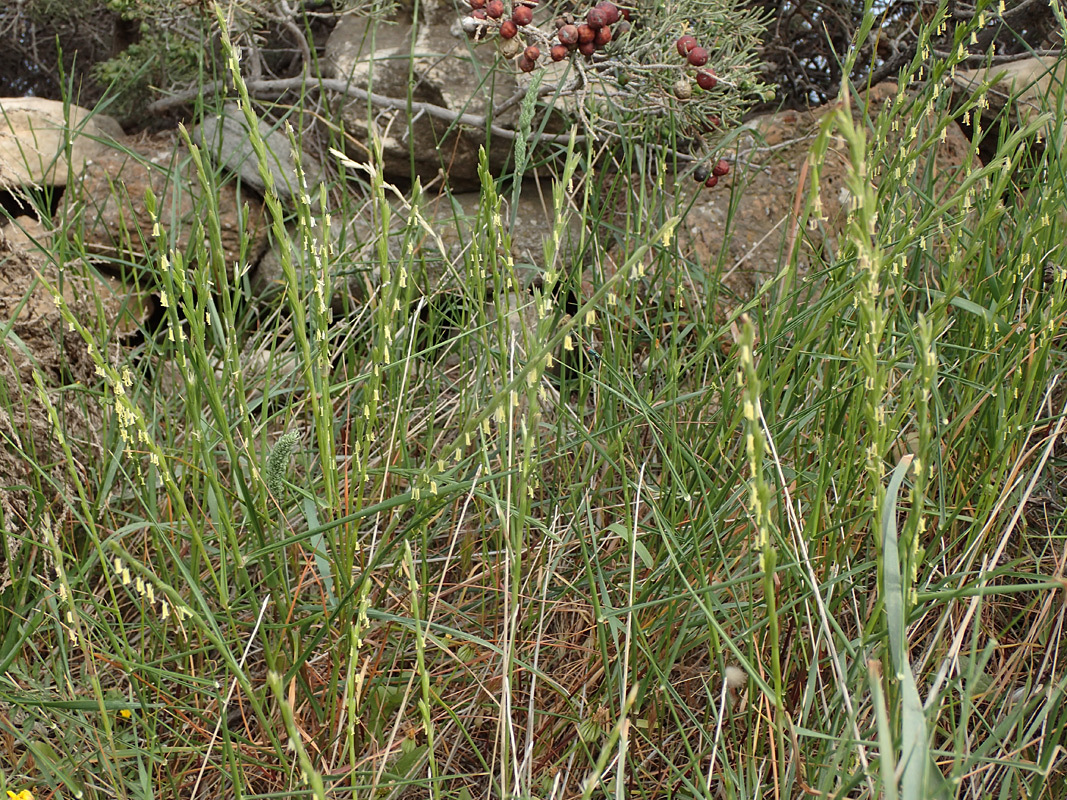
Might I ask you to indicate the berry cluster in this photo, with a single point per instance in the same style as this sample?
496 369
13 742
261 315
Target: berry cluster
586 36
648 84
594 33
521 14
710 180
697 56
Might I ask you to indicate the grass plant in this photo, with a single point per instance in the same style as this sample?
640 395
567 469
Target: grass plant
401 558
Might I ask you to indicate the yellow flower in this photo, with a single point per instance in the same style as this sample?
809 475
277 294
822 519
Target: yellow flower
25 794
125 713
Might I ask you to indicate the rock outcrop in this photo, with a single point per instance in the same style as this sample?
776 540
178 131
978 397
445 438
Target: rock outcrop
1015 94
107 206
447 71
34 138
224 137
756 201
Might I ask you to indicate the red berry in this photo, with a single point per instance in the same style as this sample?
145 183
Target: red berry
558 52
611 12
522 15
698 56
706 79
603 36
587 48
525 64
568 34
625 13
720 169
508 29
685 44
710 182
478 13
585 34
596 18
477 3
715 122
495 8
533 52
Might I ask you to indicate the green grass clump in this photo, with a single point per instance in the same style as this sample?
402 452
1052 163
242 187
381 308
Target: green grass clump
813 547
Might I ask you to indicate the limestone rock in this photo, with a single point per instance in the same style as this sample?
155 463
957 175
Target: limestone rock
1018 92
25 233
38 341
108 205
763 188
448 70
452 219
1030 84
26 240
33 140
225 138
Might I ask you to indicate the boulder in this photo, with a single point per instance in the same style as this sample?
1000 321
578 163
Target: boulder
25 233
447 70
34 134
224 137
759 194
1031 85
107 206
452 218
1017 92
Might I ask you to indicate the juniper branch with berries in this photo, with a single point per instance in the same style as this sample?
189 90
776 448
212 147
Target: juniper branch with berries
651 73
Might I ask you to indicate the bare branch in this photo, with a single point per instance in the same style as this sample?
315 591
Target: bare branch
276 87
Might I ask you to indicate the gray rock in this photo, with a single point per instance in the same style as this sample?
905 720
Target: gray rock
225 138
1031 84
443 68
451 222
1015 94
